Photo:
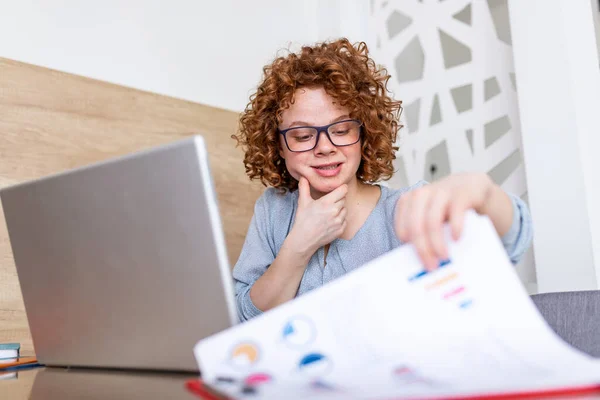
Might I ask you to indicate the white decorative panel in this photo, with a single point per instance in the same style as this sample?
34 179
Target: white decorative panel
452 66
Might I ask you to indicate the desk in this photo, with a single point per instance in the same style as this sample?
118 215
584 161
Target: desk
71 384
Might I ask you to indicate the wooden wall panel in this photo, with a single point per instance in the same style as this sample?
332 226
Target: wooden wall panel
52 121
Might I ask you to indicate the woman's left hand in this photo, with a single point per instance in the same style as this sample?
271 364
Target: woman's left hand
421 213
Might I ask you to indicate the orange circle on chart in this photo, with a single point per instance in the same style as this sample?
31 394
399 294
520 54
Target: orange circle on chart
244 354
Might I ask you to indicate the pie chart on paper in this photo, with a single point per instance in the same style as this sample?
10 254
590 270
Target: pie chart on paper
244 355
257 379
314 364
299 331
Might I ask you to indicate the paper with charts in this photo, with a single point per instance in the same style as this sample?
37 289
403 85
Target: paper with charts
391 331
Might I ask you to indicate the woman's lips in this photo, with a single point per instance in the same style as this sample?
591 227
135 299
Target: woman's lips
328 170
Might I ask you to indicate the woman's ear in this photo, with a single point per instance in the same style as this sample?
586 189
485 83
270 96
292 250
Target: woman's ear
281 151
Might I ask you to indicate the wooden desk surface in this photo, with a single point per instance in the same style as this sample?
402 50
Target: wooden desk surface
70 384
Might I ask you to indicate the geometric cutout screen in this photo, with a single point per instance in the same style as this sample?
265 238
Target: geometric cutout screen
490 88
396 23
470 139
464 15
410 62
495 129
463 97
502 171
500 19
437 164
452 67
436 113
412 115
513 80
455 53
399 172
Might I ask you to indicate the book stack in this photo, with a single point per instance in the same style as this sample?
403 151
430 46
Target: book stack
9 353
11 360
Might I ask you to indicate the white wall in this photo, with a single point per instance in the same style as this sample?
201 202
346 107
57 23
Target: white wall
556 63
596 11
211 52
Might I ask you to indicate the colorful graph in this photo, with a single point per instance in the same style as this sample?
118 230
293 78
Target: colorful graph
299 331
446 284
244 355
224 379
424 272
248 385
441 281
409 376
320 385
315 365
257 379
454 292
466 303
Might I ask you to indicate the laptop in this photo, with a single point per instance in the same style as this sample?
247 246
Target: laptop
122 264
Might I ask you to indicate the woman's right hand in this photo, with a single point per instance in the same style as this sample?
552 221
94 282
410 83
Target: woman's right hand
318 222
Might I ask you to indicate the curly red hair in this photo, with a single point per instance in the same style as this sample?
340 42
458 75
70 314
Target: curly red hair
347 74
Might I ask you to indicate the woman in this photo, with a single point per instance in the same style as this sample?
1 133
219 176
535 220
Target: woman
319 132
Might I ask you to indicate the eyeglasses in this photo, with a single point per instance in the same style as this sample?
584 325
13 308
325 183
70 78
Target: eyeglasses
305 138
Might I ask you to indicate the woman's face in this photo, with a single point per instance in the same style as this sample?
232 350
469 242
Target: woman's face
326 167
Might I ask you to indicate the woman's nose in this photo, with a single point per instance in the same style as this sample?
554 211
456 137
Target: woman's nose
324 145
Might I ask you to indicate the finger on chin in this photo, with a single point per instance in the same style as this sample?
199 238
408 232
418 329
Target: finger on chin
304 190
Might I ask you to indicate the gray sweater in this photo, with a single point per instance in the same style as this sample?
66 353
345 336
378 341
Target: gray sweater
273 218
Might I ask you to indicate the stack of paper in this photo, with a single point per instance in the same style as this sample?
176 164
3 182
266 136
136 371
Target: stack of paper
390 330
9 351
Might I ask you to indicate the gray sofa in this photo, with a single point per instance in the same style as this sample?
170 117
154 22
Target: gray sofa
574 316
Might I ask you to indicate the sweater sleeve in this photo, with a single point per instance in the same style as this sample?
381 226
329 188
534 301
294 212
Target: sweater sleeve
256 256
518 238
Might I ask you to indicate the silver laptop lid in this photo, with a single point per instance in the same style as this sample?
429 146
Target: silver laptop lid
122 264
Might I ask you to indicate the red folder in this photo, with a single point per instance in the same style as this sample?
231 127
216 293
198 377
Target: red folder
204 392
198 387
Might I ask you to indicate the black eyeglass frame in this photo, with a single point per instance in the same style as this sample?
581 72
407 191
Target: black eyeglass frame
320 129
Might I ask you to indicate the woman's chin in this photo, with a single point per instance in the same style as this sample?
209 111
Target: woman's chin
322 186
326 187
